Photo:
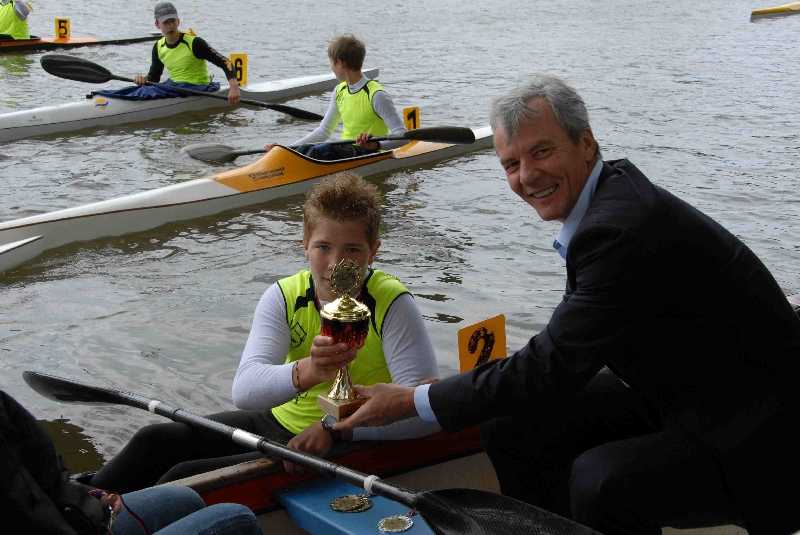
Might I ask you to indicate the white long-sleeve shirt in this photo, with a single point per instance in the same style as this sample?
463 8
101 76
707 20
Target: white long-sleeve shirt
263 379
381 103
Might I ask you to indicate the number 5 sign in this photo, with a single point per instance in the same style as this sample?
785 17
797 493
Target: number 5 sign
481 342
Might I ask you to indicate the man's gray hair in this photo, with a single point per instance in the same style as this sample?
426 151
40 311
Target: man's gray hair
510 111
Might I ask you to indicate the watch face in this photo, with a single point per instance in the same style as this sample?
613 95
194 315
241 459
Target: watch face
327 422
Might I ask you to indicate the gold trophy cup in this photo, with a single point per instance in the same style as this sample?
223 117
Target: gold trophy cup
345 320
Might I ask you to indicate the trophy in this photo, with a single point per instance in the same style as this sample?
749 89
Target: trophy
345 320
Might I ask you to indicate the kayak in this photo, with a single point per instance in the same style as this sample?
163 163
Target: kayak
99 111
785 9
280 173
49 43
442 460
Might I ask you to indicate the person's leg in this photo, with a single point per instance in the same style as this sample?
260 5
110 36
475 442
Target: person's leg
155 449
641 484
155 508
258 422
219 519
330 151
533 451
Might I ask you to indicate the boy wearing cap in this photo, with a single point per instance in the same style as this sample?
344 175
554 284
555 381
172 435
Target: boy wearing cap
361 105
14 20
184 55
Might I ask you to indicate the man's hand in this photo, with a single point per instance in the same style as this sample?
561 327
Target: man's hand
326 359
233 92
364 141
314 439
386 403
139 79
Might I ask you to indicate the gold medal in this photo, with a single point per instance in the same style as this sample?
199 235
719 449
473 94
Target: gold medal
395 524
351 503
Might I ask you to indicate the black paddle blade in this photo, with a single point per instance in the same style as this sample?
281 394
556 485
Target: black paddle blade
476 512
59 389
211 152
73 68
443 134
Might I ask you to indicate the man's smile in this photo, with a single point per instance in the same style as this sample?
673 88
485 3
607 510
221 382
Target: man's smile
544 192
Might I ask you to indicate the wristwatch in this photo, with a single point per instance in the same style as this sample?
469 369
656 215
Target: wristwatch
327 424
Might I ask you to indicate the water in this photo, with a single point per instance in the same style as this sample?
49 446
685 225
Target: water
700 98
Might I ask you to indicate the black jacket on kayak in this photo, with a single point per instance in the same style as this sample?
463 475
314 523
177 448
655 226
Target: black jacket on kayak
35 489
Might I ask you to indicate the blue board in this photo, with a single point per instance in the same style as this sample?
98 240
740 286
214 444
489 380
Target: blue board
309 507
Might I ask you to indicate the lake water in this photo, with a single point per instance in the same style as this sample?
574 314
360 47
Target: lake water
699 97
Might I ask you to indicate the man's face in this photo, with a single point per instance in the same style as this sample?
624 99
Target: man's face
543 165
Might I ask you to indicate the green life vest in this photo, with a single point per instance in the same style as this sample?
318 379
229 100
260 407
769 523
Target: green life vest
10 23
180 61
369 366
357 112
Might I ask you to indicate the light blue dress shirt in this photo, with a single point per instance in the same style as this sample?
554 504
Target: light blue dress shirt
422 401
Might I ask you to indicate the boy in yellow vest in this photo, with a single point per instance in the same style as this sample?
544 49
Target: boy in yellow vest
14 20
286 363
362 106
184 55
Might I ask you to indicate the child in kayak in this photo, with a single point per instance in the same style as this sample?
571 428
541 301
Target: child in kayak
185 57
361 105
285 364
14 20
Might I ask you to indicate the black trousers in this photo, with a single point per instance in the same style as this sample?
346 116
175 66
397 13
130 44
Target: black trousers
165 452
606 461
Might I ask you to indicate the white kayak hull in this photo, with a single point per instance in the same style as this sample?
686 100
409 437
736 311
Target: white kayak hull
100 111
281 173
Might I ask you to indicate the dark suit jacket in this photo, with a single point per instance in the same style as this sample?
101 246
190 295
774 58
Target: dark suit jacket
683 312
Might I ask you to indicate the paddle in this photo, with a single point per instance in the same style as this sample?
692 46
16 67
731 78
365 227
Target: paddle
449 511
216 153
79 69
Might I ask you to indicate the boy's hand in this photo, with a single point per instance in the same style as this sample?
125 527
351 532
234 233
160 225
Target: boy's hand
139 79
315 440
326 359
234 94
364 141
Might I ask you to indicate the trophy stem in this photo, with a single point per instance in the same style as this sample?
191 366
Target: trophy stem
342 388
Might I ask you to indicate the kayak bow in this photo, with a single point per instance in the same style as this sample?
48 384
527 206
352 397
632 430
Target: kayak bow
50 43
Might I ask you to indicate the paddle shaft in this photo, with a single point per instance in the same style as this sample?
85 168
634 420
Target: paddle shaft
62 389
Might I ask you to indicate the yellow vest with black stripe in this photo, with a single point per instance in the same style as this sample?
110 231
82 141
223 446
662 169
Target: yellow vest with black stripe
180 61
10 24
369 366
357 112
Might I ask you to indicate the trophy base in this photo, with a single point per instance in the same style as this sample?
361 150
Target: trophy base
339 408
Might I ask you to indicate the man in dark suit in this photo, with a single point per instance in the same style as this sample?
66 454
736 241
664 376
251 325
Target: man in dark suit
660 393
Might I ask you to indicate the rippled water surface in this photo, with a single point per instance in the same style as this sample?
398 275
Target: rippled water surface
700 98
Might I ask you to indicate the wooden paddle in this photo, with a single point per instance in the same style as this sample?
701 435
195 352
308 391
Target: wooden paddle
79 69
448 511
216 153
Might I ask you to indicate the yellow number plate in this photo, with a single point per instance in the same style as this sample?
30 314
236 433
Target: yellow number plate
62 28
411 117
238 64
481 342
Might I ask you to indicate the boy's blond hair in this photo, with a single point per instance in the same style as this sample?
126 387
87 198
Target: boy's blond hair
343 197
349 49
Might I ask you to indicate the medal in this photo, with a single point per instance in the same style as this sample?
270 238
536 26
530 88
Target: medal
351 503
395 524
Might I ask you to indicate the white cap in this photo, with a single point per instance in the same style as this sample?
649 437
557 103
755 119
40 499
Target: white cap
165 11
